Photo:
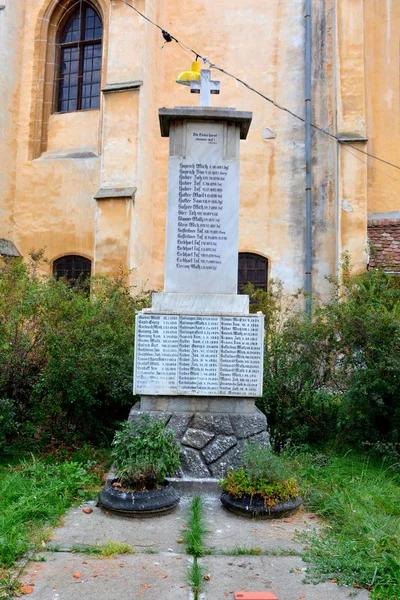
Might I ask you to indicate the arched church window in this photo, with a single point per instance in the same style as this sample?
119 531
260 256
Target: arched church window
253 268
79 58
73 268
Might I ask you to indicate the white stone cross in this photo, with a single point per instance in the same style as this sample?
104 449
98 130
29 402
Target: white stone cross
205 87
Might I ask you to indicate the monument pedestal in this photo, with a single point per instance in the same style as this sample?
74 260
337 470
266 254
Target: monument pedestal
198 351
211 442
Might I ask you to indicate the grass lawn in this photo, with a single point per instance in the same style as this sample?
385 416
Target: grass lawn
359 500
34 494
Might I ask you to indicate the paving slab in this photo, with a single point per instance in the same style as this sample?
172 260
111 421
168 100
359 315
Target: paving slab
226 531
127 577
281 575
159 567
158 534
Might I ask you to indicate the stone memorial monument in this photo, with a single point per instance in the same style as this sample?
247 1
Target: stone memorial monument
198 351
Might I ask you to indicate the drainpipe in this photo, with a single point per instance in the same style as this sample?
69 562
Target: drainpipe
308 283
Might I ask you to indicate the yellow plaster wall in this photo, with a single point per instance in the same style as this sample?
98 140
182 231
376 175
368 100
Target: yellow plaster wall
382 50
113 218
79 130
12 22
263 43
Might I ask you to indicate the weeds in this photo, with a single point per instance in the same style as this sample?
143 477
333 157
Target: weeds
195 532
359 499
33 495
194 537
108 550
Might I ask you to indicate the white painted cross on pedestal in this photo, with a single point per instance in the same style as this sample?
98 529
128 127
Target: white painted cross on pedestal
205 87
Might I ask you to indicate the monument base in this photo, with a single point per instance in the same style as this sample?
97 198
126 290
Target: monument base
211 442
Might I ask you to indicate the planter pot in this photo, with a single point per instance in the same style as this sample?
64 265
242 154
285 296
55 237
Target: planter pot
254 507
138 504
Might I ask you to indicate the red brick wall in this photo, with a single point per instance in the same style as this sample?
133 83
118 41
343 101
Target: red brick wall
384 240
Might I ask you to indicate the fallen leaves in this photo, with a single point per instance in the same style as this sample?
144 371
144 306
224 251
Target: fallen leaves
76 575
87 510
26 589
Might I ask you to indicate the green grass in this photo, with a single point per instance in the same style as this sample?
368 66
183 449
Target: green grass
359 500
196 529
193 537
243 551
107 550
196 578
34 494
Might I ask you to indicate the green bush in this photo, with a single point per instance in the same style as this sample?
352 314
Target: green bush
144 453
337 377
262 474
65 358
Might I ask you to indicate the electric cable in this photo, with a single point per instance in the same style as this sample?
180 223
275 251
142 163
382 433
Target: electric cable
168 38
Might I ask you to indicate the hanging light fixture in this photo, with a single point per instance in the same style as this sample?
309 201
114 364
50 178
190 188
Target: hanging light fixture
193 75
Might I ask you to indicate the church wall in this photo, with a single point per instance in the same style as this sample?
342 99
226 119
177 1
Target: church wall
119 145
12 20
382 49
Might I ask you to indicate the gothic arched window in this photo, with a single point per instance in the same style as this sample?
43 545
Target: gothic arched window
79 58
253 268
73 268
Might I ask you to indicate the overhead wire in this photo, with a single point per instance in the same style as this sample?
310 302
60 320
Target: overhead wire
187 48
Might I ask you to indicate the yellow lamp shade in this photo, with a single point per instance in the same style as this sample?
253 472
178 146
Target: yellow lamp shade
193 75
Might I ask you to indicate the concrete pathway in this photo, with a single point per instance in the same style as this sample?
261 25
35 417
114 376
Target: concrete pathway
158 568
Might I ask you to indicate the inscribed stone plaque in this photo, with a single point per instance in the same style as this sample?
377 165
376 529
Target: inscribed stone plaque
199 355
203 209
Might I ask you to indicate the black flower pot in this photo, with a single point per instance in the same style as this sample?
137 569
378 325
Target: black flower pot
255 507
138 504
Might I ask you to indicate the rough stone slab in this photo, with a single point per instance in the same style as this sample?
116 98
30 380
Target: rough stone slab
127 576
192 464
136 415
230 460
179 423
245 426
196 438
280 575
260 438
219 424
217 448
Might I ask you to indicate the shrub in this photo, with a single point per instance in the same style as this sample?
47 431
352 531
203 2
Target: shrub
263 474
66 358
144 453
337 377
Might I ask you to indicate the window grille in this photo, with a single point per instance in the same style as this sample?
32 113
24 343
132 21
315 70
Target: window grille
253 268
76 269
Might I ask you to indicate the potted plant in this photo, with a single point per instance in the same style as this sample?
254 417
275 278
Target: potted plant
261 487
144 453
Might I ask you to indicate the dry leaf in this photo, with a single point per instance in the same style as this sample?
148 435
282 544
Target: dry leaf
26 589
180 541
76 575
87 510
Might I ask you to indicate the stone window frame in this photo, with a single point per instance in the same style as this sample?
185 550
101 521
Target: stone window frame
45 67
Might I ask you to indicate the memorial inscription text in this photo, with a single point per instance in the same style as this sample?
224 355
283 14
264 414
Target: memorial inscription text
199 355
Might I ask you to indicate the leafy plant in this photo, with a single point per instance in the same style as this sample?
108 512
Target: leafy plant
144 453
64 356
263 474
